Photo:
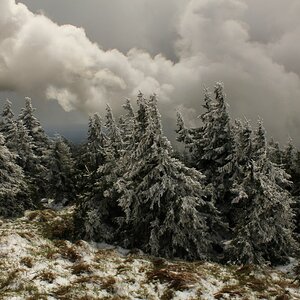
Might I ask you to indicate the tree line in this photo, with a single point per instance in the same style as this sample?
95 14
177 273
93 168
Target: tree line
229 196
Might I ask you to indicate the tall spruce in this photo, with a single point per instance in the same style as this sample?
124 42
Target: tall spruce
128 125
34 127
13 189
9 127
62 173
41 147
165 203
212 145
113 132
93 150
97 213
263 230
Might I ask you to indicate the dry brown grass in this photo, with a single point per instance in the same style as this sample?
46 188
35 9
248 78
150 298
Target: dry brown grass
9 279
178 281
81 268
68 251
27 261
47 276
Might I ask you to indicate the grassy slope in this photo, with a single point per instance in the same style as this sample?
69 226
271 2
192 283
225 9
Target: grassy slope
37 262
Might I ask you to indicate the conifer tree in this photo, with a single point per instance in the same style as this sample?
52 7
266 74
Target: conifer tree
128 125
264 224
25 149
184 134
34 127
212 146
13 189
165 204
275 154
62 173
9 127
93 155
113 131
41 147
97 212
289 158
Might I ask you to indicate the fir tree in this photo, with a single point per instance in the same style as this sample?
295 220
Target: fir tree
96 216
9 127
264 225
212 146
34 127
93 155
98 209
41 147
275 154
167 212
184 135
289 158
128 125
113 132
62 173
13 189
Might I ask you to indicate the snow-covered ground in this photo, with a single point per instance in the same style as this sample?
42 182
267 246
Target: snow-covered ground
37 263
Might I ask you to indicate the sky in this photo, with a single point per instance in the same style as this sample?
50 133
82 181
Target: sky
72 57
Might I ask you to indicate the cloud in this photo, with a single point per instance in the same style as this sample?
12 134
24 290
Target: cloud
235 41
61 62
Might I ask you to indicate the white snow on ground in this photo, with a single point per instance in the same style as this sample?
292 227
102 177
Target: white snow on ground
36 264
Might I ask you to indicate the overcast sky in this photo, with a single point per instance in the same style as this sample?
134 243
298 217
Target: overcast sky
86 53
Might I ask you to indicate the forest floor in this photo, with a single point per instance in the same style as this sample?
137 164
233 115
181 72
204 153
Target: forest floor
37 261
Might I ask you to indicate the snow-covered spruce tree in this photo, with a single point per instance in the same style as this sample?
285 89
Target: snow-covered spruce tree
98 211
289 157
183 133
127 126
275 154
165 203
93 153
41 146
25 149
29 162
34 127
242 157
212 146
9 127
113 132
200 135
62 173
264 224
291 162
13 189
7 117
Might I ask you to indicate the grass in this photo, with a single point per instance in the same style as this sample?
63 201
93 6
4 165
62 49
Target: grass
81 268
51 255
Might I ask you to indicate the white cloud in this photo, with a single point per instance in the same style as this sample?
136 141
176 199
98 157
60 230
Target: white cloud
250 45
